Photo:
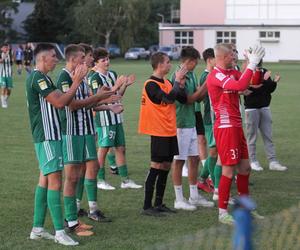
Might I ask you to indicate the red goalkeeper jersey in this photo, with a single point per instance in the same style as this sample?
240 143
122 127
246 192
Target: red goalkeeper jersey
223 87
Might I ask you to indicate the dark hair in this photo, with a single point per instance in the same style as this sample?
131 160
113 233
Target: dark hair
72 50
41 47
4 45
189 52
100 53
87 48
157 58
208 53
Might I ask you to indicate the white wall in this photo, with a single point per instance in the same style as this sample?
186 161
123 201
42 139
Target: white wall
286 49
262 11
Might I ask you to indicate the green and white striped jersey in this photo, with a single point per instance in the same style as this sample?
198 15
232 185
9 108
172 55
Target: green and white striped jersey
105 117
43 116
80 121
6 65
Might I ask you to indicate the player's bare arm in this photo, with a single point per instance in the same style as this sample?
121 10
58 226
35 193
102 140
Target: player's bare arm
59 99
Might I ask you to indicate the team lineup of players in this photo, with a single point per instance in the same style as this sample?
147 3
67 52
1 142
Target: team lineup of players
84 106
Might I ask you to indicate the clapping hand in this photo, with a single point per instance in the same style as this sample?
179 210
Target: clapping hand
130 80
119 82
79 73
104 92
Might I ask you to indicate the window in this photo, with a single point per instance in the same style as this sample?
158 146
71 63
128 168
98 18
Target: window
269 36
226 37
184 38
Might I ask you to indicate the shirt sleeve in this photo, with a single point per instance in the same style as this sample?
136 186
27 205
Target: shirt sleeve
95 83
43 86
156 95
63 84
226 82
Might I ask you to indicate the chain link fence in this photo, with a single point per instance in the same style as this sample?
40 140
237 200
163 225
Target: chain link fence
277 232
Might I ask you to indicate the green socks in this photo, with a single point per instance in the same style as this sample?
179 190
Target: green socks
79 188
70 208
40 206
101 173
91 189
218 173
111 159
211 165
204 173
123 171
54 204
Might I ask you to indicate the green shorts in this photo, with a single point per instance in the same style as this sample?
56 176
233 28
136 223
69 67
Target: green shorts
209 134
6 82
49 155
111 136
79 148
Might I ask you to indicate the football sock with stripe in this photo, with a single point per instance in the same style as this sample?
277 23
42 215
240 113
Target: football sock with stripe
91 190
123 172
40 206
224 191
149 187
204 172
217 173
211 166
70 208
160 186
79 191
242 182
111 159
54 204
101 173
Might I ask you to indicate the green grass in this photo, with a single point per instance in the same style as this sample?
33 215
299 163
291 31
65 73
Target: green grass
273 191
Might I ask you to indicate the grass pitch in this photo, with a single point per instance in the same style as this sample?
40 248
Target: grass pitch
273 191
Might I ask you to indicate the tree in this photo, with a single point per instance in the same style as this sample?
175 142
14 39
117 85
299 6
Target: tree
50 21
6 33
97 19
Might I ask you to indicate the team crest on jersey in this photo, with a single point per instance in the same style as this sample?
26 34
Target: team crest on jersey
220 76
94 84
65 87
109 81
43 85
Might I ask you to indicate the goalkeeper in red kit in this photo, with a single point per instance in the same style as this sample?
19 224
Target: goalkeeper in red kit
223 91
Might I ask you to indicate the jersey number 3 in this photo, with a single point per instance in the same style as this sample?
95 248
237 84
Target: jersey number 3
234 153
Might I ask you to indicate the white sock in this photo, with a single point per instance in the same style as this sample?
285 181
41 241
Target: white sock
37 229
2 99
178 193
222 211
216 190
194 192
93 206
72 223
203 162
59 232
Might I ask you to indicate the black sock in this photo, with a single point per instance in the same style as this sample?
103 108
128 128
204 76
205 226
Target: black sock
149 187
161 186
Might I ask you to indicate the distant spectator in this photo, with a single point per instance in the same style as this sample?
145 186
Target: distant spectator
258 116
19 58
28 57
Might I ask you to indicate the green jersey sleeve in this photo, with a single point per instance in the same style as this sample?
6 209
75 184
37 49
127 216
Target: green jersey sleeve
95 83
64 81
43 85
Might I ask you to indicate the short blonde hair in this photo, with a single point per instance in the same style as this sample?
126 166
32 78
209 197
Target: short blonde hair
222 48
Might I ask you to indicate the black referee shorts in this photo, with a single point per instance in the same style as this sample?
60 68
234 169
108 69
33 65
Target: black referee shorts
199 124
163 149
